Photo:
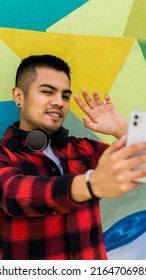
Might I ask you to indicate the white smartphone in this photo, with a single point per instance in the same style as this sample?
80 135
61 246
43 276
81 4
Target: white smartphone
137 134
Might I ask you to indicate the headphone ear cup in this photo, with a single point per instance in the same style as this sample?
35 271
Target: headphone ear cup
36 140
60 138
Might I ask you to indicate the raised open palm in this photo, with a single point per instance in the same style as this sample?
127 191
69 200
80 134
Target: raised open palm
102 117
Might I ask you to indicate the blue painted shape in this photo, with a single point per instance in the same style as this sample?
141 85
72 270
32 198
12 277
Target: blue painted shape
125 230
8 114
35 15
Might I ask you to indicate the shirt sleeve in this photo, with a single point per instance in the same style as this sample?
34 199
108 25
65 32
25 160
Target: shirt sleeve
33 195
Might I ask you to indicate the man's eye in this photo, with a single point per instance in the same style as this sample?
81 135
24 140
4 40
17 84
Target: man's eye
47 92
67 97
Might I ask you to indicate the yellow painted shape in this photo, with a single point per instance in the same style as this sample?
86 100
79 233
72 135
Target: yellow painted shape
95 61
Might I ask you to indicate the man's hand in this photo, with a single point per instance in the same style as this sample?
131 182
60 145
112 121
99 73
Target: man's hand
102 117
115 174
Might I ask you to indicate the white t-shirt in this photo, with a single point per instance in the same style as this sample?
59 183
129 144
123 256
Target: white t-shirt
49 153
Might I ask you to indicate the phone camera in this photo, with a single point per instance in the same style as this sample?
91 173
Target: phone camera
135 123
136 116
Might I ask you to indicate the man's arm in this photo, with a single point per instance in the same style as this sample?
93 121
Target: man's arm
32 195
114 175
39 195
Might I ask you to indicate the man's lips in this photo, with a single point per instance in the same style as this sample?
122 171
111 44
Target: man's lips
55 113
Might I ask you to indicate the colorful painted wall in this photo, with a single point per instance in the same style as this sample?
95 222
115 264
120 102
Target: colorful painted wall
104 41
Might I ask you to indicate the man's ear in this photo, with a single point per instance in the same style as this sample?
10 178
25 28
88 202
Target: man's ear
18 96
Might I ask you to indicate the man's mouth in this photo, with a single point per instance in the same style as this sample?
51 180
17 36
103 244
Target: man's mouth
56 114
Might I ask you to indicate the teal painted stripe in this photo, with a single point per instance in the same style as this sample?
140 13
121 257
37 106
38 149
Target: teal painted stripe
76 127
35 15
8 114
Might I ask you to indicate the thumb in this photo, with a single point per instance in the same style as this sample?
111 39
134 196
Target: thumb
116 145
86 121
89 124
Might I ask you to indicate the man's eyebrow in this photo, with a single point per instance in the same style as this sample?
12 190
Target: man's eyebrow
54 88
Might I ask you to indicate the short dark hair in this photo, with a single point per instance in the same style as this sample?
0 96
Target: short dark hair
26 71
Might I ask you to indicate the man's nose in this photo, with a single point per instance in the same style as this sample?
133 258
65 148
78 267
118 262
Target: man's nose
57 100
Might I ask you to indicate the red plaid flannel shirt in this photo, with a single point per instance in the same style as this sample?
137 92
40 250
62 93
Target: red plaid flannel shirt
41 220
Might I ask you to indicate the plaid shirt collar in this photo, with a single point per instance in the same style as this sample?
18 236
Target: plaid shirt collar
14 135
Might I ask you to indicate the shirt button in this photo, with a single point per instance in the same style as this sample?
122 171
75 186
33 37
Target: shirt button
53 169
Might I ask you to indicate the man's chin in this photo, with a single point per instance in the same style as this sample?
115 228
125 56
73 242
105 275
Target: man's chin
52 129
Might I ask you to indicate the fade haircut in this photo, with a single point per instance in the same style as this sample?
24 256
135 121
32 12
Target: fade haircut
26 72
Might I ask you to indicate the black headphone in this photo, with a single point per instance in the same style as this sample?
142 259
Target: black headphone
37 140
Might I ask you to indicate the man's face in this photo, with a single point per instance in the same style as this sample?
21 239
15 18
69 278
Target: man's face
46 103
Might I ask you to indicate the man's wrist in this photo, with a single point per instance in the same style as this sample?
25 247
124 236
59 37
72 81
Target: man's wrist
88 184
121 131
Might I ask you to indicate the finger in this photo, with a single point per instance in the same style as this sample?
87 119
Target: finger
82 105
107 99
89 124
118 144
128 151
129 164
133 175
133 162
87 121
97 98
88 99
137 184
79 101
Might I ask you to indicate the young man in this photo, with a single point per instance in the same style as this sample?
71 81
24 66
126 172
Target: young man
50 192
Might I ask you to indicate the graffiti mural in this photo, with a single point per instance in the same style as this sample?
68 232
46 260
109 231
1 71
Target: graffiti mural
104 42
